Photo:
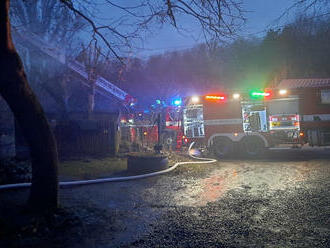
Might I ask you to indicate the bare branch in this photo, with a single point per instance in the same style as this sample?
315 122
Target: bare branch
217 19
92 24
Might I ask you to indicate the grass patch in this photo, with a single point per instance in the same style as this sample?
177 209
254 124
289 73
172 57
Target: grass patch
91 168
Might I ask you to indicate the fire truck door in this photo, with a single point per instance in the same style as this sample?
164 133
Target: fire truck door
193 122
254 118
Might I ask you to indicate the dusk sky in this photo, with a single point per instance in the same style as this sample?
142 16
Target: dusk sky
261 15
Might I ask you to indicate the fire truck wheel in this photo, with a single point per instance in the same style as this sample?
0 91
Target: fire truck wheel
253 146
222 147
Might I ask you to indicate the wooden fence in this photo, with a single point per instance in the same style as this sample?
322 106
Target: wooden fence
87 137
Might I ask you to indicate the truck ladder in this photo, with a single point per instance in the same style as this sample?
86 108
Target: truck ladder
74 65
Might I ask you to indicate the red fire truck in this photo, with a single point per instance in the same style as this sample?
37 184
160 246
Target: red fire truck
144 127
296 112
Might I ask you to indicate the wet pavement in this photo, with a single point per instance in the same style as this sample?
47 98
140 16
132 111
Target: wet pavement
280 200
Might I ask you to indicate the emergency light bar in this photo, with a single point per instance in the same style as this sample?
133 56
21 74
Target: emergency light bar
177 102
215 97
260 94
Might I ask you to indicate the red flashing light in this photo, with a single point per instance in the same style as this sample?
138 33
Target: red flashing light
215 98
268 94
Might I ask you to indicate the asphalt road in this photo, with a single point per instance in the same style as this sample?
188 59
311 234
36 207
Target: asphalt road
280 200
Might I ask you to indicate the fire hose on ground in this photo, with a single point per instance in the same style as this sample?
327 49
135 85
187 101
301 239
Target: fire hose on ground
119 179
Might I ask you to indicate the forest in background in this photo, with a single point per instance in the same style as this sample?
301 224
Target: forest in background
298 50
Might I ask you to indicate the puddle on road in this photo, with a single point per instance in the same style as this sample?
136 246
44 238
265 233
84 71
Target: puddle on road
206 190
256 177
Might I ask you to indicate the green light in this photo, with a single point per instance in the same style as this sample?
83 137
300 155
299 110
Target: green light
259 94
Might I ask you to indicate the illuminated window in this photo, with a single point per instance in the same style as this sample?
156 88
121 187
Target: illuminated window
325 96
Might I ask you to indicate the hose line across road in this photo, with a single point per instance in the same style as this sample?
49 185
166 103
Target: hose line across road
118 179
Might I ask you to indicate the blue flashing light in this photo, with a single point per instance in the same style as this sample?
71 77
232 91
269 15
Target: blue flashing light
158 101
146 111
177 102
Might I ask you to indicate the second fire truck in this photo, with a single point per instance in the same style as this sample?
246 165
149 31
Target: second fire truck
295 113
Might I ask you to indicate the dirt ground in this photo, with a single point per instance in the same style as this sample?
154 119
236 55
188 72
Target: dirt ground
280 200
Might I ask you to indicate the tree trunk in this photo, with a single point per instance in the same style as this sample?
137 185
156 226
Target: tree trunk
91 100
91 92
30 116
66 96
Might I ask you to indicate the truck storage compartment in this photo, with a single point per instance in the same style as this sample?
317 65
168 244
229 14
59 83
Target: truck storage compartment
318 137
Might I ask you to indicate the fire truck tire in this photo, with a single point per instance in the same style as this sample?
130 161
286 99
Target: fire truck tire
253 146
222 147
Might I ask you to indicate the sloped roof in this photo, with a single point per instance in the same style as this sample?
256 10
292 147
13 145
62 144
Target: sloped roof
304 83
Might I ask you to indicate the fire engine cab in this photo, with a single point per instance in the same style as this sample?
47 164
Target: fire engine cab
294 113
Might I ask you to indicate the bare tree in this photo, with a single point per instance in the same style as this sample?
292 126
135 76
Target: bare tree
313 8
308 4
56 24
216 18
48 19
91 57
30 116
